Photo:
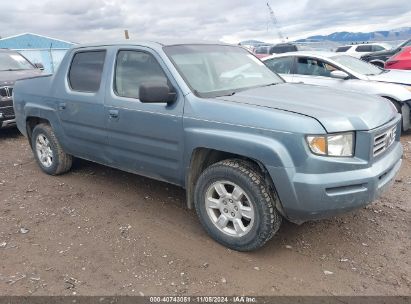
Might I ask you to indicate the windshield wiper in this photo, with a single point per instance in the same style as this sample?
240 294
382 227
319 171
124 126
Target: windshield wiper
270 84
230 93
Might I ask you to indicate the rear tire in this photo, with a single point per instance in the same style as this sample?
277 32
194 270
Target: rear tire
235 206
48 152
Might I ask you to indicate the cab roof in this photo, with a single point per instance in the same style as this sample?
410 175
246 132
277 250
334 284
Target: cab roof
151 43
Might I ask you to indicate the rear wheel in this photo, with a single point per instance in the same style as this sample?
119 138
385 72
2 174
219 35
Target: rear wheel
47 150
235 206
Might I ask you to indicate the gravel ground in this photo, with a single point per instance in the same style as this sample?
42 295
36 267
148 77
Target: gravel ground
100 231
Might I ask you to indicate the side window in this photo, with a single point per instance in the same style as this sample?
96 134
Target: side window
364 48
280 65
132 69
314 67
376 48
86 70
342 49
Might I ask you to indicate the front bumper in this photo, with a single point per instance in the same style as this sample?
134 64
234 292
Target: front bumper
7 115
7 123
315 196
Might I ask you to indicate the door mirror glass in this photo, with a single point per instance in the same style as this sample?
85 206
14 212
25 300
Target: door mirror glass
339 75
156 92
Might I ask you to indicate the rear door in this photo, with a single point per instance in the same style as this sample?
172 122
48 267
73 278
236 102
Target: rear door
80 104
144 138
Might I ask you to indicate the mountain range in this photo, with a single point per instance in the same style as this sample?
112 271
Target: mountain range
348 37
391 35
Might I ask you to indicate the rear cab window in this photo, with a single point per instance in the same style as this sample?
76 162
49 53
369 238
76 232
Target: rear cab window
86 71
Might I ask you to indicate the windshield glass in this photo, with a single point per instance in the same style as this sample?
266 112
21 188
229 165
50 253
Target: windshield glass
217 70
358 66
13 62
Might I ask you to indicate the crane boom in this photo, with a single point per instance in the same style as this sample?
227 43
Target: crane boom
275 22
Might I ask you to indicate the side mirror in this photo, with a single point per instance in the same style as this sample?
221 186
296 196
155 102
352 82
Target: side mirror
156 92
39 66
339 75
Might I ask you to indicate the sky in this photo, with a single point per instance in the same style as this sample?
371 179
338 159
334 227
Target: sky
226 20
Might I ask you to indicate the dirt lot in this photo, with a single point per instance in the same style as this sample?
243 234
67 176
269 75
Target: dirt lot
99 231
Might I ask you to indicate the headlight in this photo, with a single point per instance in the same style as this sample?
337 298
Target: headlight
408 88
341 144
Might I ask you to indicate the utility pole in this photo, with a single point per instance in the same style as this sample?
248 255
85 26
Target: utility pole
126 34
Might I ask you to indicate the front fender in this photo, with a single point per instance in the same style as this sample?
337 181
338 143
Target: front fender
268 151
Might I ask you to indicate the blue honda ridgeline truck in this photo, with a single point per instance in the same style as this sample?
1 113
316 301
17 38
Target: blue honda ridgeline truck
248 148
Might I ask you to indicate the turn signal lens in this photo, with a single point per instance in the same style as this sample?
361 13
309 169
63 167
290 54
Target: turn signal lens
317 144
340 144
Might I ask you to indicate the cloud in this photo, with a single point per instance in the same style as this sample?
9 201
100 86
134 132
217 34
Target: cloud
229 20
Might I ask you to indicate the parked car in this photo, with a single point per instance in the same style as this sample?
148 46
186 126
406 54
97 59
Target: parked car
379 58
345 72
248 148
358 50
13 66
267 50
401 60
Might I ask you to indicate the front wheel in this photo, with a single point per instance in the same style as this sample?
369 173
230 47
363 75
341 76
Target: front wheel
47 150
235 207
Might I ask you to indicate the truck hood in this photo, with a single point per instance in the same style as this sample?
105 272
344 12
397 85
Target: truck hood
10 77
336 110
393 76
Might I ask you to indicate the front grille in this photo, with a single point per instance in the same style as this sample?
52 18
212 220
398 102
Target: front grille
6 92
8 112
383 141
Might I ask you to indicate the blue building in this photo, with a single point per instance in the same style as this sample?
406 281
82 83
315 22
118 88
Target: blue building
38 49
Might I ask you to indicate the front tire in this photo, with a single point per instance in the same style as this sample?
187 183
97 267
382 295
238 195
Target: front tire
47 151
235 206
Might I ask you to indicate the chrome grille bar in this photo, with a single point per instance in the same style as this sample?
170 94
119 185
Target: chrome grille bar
384 140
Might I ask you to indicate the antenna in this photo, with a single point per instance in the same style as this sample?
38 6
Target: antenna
275 22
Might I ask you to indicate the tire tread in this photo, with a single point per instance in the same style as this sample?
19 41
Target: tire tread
271 223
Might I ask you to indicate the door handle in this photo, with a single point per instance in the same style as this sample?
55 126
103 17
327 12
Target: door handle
113 113
62 106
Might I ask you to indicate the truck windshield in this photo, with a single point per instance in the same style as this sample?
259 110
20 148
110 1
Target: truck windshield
358 66
218 70
14 62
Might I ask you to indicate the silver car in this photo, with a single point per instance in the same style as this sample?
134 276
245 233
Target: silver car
346 73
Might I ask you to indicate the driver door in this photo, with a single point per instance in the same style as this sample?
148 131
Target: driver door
143 138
